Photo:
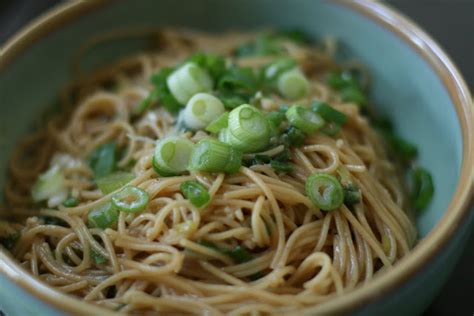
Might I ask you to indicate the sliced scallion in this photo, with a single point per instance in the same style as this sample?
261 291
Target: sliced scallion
114 181
188 80
325 191
293 84
202 109
48 185
104 216
249 130
211 155
218 124
195 192
279 66
130 199
171 156
304 119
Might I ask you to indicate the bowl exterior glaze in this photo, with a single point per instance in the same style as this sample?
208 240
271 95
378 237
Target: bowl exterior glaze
405 86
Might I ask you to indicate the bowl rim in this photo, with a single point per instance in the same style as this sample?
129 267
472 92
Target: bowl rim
383 15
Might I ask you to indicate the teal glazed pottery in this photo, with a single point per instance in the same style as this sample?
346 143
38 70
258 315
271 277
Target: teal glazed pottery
414 83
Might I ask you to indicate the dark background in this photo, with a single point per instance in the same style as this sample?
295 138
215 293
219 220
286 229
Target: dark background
450 22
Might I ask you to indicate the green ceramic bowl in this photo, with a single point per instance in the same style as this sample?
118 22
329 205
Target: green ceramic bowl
414 82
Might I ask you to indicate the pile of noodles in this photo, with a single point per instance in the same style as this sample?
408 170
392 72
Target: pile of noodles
302 256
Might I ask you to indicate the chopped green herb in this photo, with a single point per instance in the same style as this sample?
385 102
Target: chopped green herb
214 64
240 80
355 95
422 188
147 102
256 276
71 202
103 160
208 244
281 166
341 79
402 148
262 159
264 45
232 100
352 194
283 156
383 124
161 92
293 137
296 35
51 220
275 118
328 113
239 254
97 257
278 162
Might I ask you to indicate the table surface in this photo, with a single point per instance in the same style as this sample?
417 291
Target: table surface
450 22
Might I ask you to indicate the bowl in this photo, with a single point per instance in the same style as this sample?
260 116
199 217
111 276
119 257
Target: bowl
414 82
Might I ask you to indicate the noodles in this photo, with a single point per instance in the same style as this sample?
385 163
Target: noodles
259 246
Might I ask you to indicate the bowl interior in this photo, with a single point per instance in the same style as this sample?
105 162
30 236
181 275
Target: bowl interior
404 86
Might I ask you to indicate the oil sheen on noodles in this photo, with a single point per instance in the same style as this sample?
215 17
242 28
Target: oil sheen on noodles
305 256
